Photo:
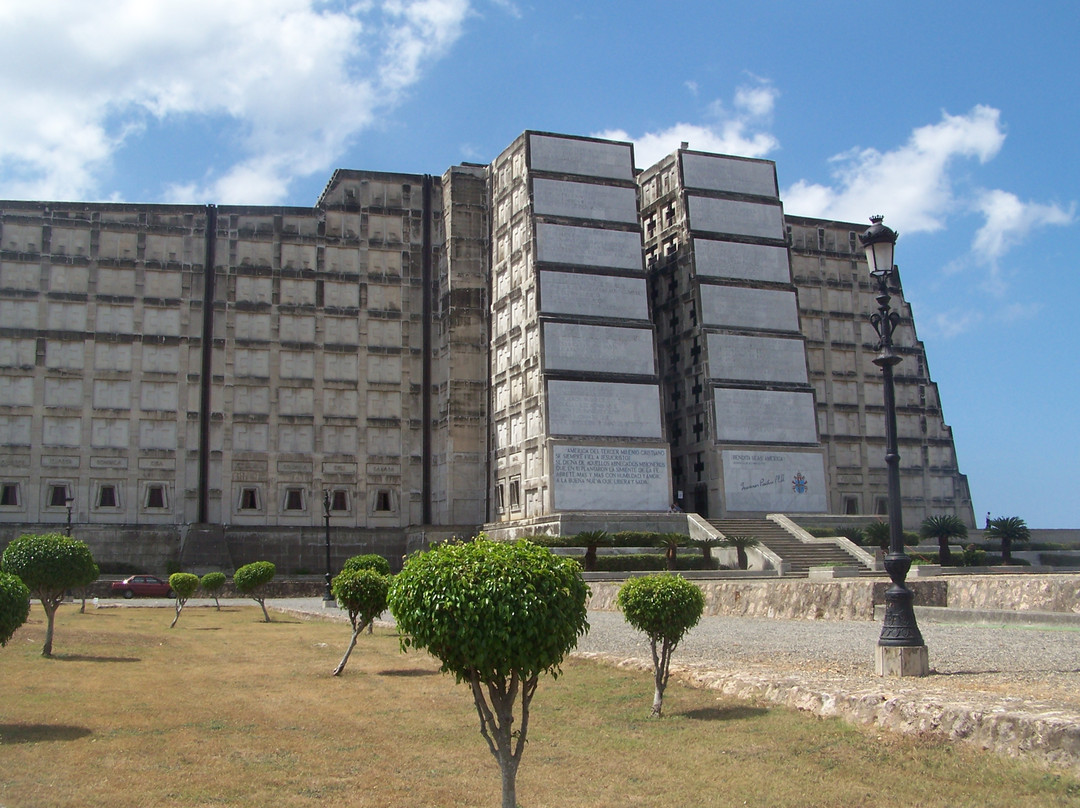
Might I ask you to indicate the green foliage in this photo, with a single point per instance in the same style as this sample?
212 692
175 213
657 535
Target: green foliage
369 561
250 577
591 539
645 562
1008 530
496 615
741 545
876 534
490 607
973 556
14 605
665 607
943 528
49 564
183 584
212 583
362 592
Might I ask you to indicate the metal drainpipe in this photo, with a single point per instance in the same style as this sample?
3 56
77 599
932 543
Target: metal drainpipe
206 379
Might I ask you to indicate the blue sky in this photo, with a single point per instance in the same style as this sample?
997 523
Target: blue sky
955 120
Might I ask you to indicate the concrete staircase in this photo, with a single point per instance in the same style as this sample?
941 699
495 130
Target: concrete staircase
799 555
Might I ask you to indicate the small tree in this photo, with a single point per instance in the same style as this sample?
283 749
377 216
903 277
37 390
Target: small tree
665 607
707 544
496 615
671 542
590 540
212 584
250 578
363 593
1007 530
876 534
741 545
183 585
14 605
368 561
49 565
943 528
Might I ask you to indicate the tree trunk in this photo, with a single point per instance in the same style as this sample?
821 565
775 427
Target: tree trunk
671 554
509 785
1006 551
590 558
179 608
944 553
349 650
740 555
50 614
266 614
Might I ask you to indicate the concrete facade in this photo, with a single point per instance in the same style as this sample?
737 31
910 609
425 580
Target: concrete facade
507 344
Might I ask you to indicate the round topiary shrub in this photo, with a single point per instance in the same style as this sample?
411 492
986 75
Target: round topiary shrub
250 577
183 585
368 561
14 605
212 583
665 607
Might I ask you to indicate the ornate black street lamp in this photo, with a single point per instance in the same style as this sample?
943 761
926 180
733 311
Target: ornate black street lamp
900 630
328 596
69 502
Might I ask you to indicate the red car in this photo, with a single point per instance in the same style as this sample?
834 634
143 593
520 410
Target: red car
149 585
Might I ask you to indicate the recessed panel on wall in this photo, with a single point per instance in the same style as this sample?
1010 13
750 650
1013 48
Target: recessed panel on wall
587 158
766 416
737 218
598 295
598 348
717 173
739 307
610 478
758 359
588 247
604 410
581 200
774 482
732 259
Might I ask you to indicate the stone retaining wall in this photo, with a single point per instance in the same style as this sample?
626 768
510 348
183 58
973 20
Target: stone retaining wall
1040 593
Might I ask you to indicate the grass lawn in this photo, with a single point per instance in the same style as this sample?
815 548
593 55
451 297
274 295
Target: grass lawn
226 710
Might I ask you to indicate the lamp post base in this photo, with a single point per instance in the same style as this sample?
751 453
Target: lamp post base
901 660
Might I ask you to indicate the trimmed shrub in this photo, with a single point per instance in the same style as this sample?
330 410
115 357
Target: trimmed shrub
212 583
363 593
665 607
249 579
49 565
368 561
14 605
183 585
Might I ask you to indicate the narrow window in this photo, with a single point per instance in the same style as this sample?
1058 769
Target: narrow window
515 494
851 506
155 496
500 498
382 501
294 499
107 496
58 496
881 506
9 495
339 501
249 499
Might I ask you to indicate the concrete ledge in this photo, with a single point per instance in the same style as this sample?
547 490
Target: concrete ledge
939 614
828 573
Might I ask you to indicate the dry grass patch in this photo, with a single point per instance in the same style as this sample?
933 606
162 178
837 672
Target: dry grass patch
225 709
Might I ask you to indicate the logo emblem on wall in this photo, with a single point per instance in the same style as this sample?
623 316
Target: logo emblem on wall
799 484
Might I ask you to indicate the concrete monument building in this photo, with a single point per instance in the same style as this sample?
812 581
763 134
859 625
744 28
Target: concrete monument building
541 343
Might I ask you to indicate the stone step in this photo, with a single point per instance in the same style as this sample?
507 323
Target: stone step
799 555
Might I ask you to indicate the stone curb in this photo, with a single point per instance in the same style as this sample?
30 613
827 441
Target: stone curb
1010 727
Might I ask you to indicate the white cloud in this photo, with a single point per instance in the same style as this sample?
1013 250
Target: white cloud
737 131
1009 221
912 184
295 80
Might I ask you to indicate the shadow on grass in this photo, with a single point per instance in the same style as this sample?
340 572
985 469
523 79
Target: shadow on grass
725 713
90 658
408 672
35 733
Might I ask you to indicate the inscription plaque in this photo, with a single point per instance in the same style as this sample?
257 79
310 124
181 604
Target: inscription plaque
774 482
610 478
